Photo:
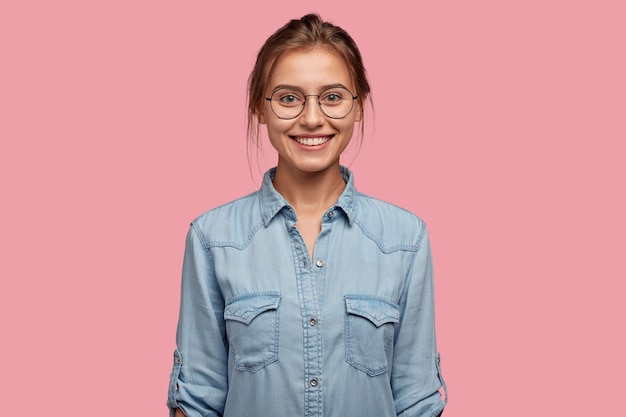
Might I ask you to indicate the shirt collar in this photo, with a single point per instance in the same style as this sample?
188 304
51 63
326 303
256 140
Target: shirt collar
272 202
347 200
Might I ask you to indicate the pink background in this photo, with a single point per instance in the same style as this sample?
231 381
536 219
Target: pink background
120 121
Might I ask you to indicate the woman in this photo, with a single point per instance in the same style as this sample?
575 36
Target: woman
307 298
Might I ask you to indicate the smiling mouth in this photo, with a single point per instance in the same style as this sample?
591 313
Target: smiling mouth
309 141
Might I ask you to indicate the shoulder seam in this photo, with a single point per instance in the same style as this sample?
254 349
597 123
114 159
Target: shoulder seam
205 240
417 239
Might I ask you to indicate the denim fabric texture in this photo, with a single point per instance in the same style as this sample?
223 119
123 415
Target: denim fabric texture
264 330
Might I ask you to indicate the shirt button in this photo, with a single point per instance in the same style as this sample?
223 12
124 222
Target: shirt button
313 382
312 321
331 213
319 263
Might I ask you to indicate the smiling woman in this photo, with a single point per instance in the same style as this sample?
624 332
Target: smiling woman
307 298
309 141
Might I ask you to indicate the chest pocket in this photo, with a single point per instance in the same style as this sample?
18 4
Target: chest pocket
369 332
252 329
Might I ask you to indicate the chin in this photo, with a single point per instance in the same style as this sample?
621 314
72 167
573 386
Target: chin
313 167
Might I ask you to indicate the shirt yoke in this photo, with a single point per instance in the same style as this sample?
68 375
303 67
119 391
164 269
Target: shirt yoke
391 227
232 224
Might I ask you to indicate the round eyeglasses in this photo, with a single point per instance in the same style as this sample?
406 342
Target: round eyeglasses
288 102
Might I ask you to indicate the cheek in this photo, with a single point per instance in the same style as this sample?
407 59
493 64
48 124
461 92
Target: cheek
275 129
347 128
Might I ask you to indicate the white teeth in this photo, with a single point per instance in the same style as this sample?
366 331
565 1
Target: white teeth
312 141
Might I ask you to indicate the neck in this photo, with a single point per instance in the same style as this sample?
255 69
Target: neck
310 192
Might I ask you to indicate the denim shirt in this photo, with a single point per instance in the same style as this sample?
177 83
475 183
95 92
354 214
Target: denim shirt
266 331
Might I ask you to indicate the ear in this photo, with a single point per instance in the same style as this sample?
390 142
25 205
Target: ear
359 113
260 115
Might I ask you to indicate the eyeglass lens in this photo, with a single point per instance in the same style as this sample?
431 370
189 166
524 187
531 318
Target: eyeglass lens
288 103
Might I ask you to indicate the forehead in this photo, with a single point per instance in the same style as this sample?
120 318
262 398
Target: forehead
310 69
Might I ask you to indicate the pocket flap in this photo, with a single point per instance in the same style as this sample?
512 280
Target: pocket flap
375 309
246 307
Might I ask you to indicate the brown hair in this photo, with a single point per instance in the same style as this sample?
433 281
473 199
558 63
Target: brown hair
308 32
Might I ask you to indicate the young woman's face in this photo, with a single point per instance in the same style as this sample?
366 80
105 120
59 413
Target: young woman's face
312 141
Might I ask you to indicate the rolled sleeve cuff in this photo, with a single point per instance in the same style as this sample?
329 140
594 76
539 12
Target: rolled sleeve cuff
433 404
194 400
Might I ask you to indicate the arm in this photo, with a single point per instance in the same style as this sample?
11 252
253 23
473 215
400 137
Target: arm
416 377
179 413
198 382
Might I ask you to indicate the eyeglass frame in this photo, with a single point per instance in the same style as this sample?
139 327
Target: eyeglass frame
319 103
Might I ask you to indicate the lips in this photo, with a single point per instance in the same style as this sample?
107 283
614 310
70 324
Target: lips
311 141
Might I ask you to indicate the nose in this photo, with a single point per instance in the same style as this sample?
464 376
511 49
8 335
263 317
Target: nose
312 115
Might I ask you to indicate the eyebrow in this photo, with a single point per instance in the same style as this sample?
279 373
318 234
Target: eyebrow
323 88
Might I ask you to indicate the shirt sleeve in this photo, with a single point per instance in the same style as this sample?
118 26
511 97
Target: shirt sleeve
198 382
416 374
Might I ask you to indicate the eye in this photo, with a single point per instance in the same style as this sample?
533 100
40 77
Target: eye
332 97
288 98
